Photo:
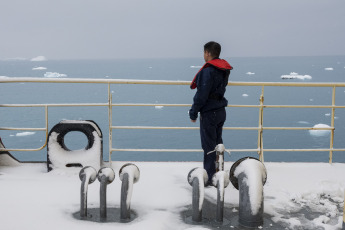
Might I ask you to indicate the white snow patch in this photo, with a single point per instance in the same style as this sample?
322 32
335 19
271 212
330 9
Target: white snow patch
54 74
39 58
329 68
39 68
201 174
323 132
250 73
294 75
22 134
255 175
245 95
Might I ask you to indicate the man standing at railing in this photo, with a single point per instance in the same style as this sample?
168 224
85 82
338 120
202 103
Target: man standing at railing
210 102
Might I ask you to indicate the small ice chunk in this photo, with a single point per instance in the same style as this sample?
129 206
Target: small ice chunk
250 73
245 95
329 68
39 58
327 114
159 107
54 74
323 132
22 134
39 68
195 66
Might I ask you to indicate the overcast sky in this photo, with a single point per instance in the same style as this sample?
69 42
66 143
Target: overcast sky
69 29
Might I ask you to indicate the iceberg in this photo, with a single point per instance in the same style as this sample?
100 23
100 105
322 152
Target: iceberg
320 133
24 134
39 58
294 75
39 68
54 74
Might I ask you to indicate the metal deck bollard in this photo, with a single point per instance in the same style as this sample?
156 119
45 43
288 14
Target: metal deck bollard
129 174
87 176
197 178
105 177
220 180
249 175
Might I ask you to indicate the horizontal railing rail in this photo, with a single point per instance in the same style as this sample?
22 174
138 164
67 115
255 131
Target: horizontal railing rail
260 128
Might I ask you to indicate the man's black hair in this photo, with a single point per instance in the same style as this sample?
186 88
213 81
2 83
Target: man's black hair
213 48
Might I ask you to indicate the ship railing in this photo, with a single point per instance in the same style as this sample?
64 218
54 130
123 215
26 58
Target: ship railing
109 104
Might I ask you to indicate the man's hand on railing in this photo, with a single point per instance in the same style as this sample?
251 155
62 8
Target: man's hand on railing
193 121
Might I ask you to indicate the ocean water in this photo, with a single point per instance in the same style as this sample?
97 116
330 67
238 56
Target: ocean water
254 69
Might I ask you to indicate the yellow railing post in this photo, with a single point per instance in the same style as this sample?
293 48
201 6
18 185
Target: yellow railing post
110 118
260 130
332 125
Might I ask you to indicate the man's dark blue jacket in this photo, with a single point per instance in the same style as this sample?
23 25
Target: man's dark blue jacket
211 82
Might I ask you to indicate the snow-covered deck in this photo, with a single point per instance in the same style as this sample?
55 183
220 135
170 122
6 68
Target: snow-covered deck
297 195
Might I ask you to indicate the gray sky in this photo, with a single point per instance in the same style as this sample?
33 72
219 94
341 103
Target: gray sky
65 29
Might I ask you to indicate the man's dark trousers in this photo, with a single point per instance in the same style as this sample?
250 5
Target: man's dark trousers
211 127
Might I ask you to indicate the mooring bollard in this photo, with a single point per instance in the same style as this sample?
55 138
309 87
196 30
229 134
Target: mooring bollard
249 175
220 180
197 178
129 174
87 176
105 176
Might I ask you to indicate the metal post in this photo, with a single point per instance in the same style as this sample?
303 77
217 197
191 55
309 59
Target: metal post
129 174
246 217
105 176
221 181
197 178
125 208
249 175
87 176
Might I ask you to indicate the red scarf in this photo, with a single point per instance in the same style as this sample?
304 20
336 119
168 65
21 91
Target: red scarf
218 63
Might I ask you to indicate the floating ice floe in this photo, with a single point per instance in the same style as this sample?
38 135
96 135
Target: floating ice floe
294 75
54 74
39 68
24 134
159 107
39 58
327 114
329 68
245 95
303 122
320 132
250 73
195 66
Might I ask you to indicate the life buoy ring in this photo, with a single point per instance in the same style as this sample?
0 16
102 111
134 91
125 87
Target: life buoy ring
58 155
